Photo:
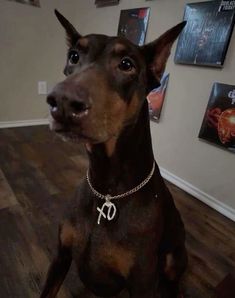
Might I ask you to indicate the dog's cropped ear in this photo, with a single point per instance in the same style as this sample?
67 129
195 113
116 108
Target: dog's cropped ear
71 33
156 54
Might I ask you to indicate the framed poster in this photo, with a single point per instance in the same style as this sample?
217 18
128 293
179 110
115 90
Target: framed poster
133 24
100 3
156 98
218 125
29 2
206 37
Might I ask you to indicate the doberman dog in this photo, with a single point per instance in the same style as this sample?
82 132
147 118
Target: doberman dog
122 230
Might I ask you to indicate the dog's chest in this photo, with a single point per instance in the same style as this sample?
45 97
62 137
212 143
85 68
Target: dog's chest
112 248
105 264
110 256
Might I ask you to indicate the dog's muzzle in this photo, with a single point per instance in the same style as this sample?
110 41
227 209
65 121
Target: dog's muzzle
69 103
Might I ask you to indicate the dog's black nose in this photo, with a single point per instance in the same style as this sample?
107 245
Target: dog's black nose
68 102
51 100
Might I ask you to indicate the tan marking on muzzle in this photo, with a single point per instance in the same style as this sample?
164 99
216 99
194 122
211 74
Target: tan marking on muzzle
110 146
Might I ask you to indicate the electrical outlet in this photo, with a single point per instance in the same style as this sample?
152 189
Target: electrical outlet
42 87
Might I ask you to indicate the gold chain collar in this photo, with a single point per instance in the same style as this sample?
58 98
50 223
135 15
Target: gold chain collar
111 208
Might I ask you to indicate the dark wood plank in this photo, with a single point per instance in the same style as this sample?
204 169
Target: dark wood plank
23 262
226 289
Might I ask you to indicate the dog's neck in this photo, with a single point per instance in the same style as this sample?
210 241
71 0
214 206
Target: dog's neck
121 164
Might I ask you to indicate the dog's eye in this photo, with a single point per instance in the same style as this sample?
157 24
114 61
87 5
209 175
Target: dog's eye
73 57
126 65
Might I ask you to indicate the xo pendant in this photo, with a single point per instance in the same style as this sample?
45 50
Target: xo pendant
109 212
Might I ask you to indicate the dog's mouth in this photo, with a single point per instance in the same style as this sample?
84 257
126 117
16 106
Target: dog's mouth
80 128
83 111
70 130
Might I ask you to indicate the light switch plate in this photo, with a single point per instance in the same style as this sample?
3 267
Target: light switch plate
42 87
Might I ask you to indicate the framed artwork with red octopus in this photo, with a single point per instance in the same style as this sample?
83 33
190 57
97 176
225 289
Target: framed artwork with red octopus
218 125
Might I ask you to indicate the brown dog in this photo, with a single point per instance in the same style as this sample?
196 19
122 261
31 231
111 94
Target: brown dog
123 230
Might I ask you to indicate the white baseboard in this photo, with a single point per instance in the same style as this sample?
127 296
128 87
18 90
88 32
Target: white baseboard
199 194
8 124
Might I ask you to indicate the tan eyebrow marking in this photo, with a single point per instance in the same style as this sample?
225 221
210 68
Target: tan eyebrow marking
119 47
83 42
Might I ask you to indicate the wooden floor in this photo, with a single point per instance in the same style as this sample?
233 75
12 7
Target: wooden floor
38 173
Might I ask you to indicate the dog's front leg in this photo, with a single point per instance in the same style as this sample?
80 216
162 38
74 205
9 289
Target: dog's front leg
58 270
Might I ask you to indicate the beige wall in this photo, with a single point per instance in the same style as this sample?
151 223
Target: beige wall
32 49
